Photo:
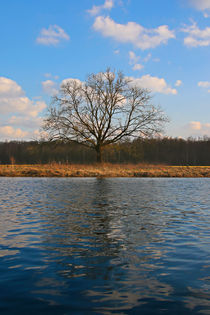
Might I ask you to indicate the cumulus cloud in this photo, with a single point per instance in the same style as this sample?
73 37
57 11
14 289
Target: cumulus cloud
133 60
96 9
9 88
178 83
138 66
154 84
132 32
50 75
195 125
25 122
196 128
52 36
49 87
200 5
196 37
13 99
18 114
8 132
205 85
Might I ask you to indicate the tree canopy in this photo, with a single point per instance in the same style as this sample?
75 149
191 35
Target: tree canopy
102 110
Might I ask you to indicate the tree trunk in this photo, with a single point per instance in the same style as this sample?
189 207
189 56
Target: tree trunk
99 154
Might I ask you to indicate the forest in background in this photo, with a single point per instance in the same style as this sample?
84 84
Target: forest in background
170 151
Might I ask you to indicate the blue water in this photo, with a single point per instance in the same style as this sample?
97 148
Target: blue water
104 246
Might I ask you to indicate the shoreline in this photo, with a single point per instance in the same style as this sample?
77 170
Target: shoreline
103 170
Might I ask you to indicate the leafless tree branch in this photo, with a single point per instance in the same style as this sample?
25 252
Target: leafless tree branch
102 110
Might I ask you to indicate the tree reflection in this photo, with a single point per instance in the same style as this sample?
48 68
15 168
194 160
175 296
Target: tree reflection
108 245
98 234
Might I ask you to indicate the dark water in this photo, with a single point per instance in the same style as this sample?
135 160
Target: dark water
104 246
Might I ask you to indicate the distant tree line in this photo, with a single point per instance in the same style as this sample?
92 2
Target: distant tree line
171 151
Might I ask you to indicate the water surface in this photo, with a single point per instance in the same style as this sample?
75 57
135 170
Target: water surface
104 246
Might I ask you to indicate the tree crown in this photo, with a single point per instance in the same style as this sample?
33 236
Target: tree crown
102 110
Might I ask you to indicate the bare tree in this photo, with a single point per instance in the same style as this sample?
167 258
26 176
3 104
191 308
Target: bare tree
102 110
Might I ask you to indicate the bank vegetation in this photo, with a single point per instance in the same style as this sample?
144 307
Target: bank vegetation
166 157
167 151
103 170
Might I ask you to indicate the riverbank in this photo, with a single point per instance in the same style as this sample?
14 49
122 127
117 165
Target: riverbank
104 170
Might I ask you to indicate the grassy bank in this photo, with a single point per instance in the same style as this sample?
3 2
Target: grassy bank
104 170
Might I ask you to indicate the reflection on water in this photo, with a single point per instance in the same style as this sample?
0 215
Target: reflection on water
104 246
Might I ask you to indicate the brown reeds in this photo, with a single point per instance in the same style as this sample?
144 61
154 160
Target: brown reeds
103 170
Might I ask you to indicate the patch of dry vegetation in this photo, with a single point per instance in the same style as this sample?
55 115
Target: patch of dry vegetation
103 170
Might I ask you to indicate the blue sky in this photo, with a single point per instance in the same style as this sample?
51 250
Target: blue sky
163 45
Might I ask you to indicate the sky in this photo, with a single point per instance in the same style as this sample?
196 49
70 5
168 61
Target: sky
162 45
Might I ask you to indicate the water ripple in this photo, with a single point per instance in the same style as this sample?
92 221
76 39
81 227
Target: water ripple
104 246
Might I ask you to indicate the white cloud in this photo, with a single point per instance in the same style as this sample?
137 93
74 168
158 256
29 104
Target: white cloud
204 84
40 134
35 108
195 125
200 4
52 36
8 133
154 84
49 75
133 60
196 37
132 32
25 122
65 81
196 128
116 51
147 58
9 88
17 110
49 87
13 99
137 66
96 9
178 83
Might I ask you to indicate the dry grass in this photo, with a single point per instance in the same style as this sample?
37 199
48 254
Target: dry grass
103 170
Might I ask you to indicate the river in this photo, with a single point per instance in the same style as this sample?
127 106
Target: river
104 246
